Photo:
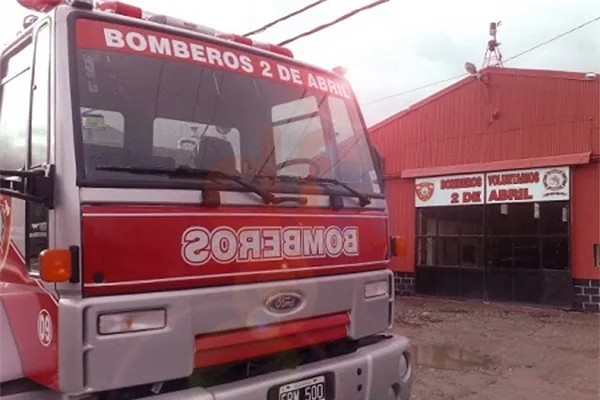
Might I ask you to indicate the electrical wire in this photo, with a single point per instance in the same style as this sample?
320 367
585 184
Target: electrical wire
415 89
458 76
335 21
537 46
288 16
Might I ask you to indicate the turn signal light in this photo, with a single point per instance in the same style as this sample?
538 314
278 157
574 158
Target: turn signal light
55 265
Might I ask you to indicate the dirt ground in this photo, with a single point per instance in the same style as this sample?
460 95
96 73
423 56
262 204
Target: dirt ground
477 351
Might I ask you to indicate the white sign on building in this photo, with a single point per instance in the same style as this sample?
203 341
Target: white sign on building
455 190
528 185
519 186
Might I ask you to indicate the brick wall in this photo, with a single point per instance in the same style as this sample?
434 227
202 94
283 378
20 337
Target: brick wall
587 291
587 294
404 283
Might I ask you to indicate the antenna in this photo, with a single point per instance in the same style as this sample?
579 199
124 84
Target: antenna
493 56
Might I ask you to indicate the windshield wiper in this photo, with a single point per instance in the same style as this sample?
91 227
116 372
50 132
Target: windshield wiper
183 172
363 199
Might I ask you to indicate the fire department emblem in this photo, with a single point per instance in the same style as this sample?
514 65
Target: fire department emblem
555 182
4 228
424 191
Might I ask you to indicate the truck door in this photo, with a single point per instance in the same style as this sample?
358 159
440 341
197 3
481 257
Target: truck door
24 136
30 304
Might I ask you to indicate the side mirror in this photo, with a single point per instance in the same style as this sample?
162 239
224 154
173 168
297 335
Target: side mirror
35 185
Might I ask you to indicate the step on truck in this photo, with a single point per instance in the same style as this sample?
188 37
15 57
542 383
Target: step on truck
187 214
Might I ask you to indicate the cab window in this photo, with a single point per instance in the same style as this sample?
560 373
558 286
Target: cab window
182 140
24 102
40 112
14 106
298 134
36 217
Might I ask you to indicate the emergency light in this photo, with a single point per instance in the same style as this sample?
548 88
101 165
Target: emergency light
341 71
39 5
128 10
250 42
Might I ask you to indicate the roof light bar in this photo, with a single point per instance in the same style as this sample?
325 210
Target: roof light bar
120 8
128 10
40 5
236 38
341 71
179 23
284 51
250 42
84 4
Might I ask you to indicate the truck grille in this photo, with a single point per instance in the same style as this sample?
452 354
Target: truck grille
230 346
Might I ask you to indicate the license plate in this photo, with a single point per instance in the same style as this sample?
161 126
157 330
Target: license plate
320 387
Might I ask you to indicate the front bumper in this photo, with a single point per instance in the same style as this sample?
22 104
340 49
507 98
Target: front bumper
92 363
370 373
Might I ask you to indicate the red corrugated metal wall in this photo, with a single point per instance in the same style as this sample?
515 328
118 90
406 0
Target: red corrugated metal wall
515 116
509 114
401 206
585 220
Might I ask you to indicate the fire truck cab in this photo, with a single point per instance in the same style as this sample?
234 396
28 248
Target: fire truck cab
186 214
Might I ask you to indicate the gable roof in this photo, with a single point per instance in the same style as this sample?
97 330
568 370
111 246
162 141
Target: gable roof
534 73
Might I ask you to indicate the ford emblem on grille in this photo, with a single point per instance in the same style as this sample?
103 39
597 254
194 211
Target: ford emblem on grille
283 303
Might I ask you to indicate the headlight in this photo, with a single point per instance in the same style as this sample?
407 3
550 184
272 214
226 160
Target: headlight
376 289
134 321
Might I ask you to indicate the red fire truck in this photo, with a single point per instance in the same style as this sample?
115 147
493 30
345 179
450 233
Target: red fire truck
186 214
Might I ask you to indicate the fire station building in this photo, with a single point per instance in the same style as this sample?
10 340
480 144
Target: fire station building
495 183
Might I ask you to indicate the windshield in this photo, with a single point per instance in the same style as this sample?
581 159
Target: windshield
236 113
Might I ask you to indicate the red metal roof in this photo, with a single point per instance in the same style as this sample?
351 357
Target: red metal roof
508 114
540 73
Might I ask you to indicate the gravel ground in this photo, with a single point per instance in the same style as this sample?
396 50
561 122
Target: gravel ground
477 351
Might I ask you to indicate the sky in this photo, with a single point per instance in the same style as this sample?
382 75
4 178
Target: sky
399 45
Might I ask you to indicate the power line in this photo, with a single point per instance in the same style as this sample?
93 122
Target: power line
288 16
554 38
336 21
415 89
537 46
462 75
